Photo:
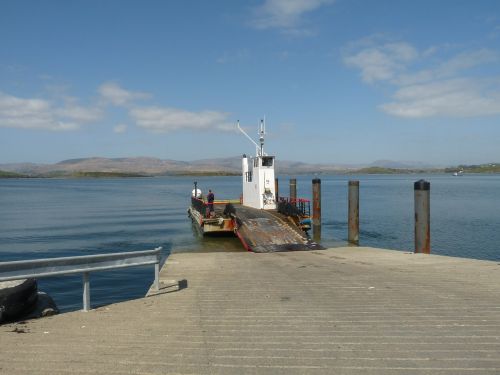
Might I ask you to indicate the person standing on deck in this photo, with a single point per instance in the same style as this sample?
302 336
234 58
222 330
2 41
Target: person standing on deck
210 200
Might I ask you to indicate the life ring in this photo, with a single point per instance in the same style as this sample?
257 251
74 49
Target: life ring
17 298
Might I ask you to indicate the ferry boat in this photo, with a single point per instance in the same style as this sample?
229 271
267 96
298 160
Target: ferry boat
259 189
258 214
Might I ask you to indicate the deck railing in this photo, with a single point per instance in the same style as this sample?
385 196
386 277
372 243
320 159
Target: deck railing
37 268
295 206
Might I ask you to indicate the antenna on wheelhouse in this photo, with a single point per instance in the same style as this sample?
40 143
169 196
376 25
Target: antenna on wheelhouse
262 132
258 148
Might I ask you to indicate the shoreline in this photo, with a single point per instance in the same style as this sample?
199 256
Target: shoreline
108 175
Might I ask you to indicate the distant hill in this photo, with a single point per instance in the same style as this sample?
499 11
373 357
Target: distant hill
402 164
134 166
478 168
5 174
156 167
146 166
381 170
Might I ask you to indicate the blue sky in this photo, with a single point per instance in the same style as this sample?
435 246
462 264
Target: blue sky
345 81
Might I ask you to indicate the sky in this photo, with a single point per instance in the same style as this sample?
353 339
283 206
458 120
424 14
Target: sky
338 81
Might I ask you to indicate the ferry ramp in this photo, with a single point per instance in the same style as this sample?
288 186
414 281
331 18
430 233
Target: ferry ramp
338 311
264 231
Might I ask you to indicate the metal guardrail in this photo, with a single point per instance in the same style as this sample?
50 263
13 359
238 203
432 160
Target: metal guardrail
81 264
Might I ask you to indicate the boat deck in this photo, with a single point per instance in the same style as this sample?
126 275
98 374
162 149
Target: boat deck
218 224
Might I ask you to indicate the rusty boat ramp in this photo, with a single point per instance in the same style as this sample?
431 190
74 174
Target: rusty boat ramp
350 310
269 231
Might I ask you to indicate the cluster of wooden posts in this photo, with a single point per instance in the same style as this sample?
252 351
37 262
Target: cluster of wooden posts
421 202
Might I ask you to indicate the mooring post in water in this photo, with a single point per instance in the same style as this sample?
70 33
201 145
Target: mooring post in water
276 189
293 190
316 217
353 227
422 217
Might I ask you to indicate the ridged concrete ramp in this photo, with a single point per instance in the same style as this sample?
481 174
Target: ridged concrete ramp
337 311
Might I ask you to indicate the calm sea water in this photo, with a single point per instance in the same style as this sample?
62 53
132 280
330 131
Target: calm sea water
41 218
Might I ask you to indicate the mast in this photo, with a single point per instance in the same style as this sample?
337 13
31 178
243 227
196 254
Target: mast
262 132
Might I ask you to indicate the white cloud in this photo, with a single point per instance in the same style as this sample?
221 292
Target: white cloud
285 14
120 128
440 86
382 63
162 120
64 113
450 98
79 113
111 92
393 62
467 60
42 114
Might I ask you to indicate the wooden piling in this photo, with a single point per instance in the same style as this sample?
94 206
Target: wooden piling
276 189
353 215
293 190
422 217
316 216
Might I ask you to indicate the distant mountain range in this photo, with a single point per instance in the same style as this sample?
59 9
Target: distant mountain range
146 166
153 167
403 164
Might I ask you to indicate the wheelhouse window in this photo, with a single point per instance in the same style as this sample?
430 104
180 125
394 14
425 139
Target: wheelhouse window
248 176
267 161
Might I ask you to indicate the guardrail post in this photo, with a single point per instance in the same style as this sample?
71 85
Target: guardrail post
316 217
157 271
353 217
293 190
422 217
157 276
86 292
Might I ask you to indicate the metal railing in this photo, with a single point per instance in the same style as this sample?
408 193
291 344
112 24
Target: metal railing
294 206
37 268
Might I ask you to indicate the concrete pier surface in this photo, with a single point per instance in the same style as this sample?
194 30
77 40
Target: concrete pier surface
338 311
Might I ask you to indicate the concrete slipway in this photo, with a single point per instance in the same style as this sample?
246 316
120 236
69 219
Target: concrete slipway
337 311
